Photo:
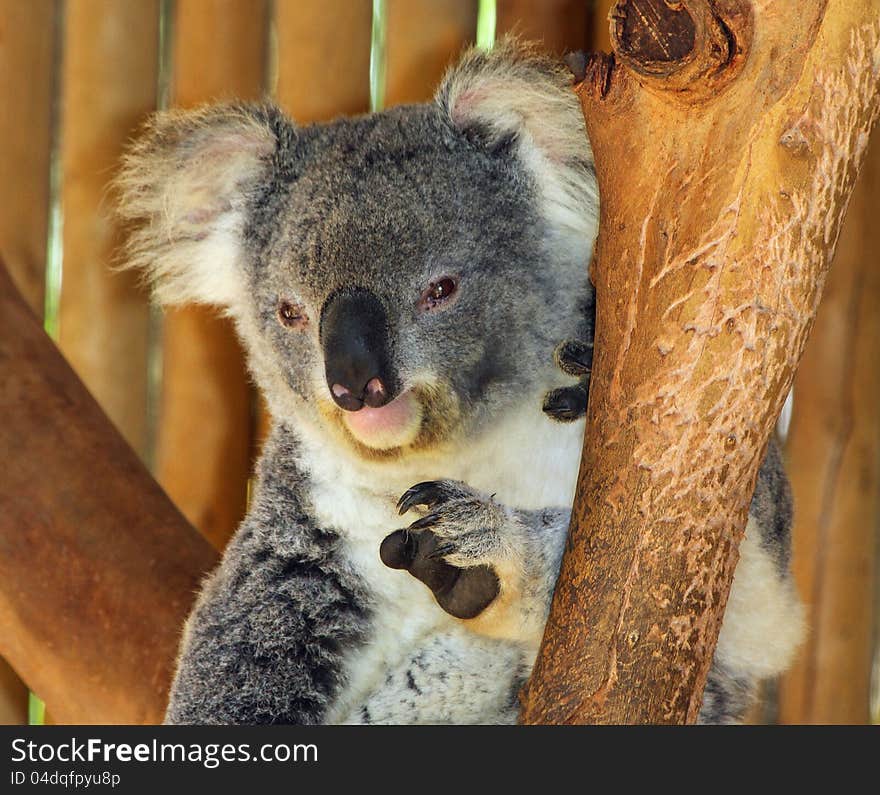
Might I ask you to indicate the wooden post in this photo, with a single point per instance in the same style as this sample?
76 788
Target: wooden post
559 25
108 87
27 34
27 47
600 28
423 37
203 446
98 570
833 453
728 136
323 64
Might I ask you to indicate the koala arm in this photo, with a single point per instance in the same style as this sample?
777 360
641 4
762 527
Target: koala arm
265 640
491 566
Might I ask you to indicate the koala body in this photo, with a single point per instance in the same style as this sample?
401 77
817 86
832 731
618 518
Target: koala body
400 282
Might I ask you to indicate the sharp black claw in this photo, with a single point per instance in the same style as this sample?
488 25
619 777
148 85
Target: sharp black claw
574 357
425 521
427 493
566 404
441 551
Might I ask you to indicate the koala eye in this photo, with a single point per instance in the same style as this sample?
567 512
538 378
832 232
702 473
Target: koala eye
291 315
438 292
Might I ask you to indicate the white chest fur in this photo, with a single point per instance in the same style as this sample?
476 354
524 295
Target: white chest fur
527 462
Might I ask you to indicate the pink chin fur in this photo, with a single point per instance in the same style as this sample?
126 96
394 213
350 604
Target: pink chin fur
392 425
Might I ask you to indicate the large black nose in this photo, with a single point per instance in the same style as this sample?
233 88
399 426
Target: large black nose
354 336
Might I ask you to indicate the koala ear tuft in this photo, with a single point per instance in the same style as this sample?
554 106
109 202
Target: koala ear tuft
513 98
185 184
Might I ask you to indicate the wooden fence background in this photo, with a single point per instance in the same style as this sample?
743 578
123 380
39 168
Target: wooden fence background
78 76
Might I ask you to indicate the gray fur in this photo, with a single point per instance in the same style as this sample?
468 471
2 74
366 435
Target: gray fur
263 642
772 507
493 184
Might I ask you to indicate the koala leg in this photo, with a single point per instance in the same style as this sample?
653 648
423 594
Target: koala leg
485 563
726 698
763 622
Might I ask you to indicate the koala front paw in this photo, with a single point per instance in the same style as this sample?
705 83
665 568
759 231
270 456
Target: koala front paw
569 403
455 549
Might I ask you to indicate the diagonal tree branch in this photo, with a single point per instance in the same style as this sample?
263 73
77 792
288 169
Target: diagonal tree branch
98 570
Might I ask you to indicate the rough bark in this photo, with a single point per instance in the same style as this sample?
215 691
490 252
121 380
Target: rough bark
98 570
727 135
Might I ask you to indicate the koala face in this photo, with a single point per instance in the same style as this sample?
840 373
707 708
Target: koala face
414 266
403 275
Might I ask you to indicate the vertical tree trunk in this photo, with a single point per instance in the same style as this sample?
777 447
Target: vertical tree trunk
728 135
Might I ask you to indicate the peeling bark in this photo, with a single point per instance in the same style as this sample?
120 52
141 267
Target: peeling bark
727 135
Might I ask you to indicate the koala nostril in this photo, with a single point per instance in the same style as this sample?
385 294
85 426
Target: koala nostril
345 399
375 393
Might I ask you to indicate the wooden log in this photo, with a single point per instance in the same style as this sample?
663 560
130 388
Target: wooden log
834 462
109 85
27 39
203 446
559 25
98 569
323 67
601 25
422 38
728 136
27 47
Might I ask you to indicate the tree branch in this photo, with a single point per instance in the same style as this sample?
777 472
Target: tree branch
98 570
724 179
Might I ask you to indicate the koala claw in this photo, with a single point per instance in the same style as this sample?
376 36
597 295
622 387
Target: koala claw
566 404
428 493
451 549
569 403
574 358
425 521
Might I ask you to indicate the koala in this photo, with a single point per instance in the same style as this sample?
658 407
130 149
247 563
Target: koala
401 283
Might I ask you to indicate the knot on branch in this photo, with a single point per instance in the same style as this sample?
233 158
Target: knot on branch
693 47
592 71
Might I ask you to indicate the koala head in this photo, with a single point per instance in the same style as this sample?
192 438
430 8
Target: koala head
398 277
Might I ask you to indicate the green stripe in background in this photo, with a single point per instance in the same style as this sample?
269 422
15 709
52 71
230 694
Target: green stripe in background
486 16
54 241
377 56
36 711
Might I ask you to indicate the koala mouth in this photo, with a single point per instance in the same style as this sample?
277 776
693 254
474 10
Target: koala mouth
394 425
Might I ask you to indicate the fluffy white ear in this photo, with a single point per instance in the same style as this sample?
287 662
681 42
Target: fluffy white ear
514 96
185 184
